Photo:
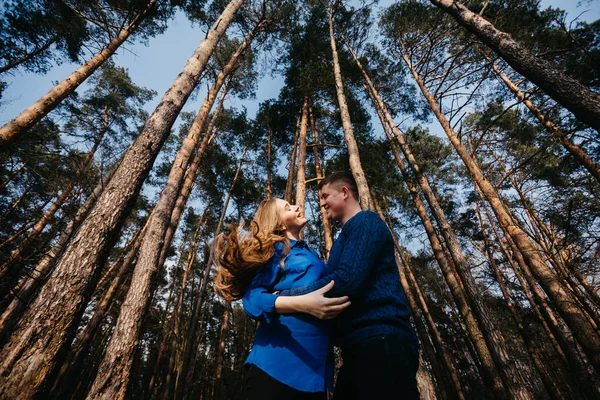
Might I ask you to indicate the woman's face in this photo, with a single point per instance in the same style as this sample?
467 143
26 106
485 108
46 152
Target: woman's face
291 216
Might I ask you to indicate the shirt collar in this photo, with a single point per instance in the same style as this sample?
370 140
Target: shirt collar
298 243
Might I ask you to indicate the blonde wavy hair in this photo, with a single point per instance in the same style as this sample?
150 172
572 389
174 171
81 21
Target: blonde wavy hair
238 257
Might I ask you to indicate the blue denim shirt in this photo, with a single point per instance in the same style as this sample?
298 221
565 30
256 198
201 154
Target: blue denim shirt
294 348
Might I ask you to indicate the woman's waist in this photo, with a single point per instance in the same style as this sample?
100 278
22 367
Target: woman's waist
297 324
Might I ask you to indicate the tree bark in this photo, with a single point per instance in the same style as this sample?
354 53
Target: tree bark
72 364
567 91
301 172
38 110
364 193
320 175
289 186
50 322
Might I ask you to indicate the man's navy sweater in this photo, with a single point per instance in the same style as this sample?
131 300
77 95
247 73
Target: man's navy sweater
362 264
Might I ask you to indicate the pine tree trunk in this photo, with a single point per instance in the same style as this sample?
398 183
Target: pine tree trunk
269 166
50 322
301 172
565 302
567 91
289 186
364 193
50 100
557 134
72 364
320 175
221 349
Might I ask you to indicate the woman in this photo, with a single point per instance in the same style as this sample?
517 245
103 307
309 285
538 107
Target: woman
291 357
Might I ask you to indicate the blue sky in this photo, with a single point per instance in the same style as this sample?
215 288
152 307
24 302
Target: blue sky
155 66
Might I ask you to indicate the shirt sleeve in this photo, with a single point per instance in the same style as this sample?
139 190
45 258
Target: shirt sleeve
362 244
259 300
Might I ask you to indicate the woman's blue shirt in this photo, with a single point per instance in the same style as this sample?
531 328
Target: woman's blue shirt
295 348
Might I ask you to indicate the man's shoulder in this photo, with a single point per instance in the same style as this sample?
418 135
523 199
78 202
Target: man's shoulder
368 219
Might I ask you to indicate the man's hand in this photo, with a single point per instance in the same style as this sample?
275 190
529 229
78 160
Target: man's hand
313 303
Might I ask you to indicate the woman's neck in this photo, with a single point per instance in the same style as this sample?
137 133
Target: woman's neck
293 235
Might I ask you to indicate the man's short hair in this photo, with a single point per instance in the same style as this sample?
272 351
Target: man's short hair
338 180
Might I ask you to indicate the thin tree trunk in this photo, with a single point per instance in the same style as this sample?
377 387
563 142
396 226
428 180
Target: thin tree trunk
38 110
269 166
289 186
49 324
320 175
364 193
567 91
557 134
562 298
221 349
301 172
28 56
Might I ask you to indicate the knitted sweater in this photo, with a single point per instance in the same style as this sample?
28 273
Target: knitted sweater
362 264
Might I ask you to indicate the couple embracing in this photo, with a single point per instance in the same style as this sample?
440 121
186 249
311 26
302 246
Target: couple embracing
305 306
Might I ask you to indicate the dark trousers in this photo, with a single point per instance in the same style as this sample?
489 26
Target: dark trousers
382 367
261 386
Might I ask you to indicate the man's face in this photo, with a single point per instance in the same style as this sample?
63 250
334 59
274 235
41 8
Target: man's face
333 201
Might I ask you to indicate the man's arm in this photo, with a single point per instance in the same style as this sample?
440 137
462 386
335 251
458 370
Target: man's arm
363 243
263 305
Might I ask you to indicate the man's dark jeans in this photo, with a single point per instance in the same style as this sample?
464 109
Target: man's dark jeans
382 367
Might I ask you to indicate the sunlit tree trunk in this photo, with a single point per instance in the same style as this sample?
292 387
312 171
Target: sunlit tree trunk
289 186
301 172
364 193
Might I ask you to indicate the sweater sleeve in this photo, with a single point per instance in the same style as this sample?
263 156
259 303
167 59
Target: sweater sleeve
362 243
259 300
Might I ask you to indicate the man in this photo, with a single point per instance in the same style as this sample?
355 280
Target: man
379 346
